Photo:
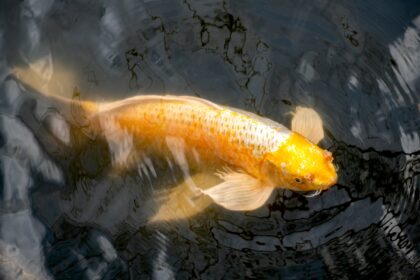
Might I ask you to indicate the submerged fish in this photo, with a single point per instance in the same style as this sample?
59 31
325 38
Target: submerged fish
247 156
255 154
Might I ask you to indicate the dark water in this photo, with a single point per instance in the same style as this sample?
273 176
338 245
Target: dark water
357 63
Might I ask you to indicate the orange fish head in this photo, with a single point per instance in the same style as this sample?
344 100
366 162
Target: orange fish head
300 165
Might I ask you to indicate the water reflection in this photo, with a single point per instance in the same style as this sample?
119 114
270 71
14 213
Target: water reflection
65 214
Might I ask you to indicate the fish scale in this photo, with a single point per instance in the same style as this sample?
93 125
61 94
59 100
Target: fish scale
228 131
233 136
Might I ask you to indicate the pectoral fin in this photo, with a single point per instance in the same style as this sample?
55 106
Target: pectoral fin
239 191
308 123
182 202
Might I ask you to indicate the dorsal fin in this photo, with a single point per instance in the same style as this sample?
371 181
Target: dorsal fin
156 98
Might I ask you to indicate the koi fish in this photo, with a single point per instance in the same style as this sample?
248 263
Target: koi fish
250 155
259 154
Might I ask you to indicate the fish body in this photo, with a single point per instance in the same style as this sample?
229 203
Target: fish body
214 131
258 154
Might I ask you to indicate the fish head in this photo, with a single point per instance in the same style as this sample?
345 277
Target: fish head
299 165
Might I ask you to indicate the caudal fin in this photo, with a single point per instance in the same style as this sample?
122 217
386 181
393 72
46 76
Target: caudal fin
59 90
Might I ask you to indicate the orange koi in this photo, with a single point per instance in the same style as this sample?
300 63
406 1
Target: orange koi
259 154
250 155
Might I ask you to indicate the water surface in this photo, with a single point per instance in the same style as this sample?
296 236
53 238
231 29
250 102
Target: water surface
65 215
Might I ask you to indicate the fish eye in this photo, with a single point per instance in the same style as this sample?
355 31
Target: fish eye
298 180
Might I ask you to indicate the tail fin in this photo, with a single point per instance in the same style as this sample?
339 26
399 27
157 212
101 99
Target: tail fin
53 91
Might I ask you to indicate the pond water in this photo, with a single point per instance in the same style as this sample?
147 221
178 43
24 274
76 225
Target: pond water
66 214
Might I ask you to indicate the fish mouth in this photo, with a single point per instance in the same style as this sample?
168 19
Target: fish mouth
333 176
333 180
319 189
313 193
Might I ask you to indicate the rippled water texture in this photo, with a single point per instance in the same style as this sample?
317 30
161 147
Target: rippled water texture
66 214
